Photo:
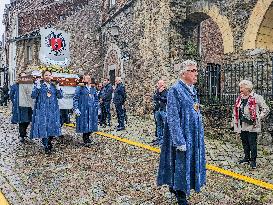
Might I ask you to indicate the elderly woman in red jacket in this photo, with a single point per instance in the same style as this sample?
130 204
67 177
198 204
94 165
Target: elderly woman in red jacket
249 109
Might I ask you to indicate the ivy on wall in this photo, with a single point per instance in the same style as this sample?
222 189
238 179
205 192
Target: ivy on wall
191 49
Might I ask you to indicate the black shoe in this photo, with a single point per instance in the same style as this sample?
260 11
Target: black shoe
22 140
120 128
87 145
243 161
88 141
181 198
50 146
171 190
61 139
47 151
253 165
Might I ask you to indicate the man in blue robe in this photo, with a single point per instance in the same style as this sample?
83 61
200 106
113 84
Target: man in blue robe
119 100
85 106
20 115
46 113
182 160
106 98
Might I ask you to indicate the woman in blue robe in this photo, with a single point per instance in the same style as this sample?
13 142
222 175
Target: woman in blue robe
182 160
85 105
46 112
20 115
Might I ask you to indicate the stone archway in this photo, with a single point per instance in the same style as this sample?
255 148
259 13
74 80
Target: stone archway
259 33
213 12
113 63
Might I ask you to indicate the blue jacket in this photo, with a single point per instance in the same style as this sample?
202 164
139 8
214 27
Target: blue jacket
183 170
19 114
106 93
119 94
46 112
87 102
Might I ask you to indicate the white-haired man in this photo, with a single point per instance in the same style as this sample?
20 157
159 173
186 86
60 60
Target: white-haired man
249 109
182 159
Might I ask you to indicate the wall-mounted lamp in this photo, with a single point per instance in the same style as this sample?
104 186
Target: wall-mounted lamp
114 31
125 55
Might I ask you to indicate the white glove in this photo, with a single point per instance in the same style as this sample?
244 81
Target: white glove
77 112
58 87
38 83
182 148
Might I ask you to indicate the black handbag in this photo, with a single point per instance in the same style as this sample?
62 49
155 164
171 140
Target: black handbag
246 120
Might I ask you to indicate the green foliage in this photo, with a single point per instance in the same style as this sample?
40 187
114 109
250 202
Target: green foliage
191 49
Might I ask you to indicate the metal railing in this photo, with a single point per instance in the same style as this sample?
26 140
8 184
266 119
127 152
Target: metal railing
218 84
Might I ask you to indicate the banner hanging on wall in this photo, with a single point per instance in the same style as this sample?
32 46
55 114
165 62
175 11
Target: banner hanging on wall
54 47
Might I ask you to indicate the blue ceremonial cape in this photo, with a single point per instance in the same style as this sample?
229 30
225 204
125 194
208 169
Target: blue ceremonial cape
46 112
87 102
182 170
19 114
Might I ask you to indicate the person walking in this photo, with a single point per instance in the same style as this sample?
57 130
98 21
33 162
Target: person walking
20 115
182 160
85 106
46 113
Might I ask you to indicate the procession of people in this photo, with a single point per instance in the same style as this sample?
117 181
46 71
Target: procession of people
46 117
177 114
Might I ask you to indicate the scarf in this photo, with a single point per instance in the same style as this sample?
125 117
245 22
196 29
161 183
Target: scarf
251 105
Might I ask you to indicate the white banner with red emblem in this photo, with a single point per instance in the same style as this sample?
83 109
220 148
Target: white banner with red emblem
54 47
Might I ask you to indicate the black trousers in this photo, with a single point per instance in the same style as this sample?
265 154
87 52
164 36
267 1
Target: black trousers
23 129
249 142
103 115
120 114
85 137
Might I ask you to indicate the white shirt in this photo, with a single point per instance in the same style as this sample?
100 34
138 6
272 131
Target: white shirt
48 85
88 87
191 87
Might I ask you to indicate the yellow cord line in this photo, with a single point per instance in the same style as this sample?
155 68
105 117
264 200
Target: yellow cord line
137 144
3 200
209 167
241 177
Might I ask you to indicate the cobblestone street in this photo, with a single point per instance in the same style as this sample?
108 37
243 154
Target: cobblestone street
219 153
111 172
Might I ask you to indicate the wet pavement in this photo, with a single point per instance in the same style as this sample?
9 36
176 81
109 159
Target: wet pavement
111 172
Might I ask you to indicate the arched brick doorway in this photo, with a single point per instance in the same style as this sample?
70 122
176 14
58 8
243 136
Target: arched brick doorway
113 64
204 41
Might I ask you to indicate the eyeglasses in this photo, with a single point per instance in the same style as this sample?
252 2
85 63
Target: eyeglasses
193 70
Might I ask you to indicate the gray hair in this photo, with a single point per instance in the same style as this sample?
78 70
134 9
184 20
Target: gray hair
248 84
185 64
